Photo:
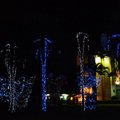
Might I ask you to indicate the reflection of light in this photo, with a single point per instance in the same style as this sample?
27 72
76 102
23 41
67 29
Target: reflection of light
117 82
97 59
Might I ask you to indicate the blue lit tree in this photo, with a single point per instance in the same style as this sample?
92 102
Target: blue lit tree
14 89
92 81
23 89
42 51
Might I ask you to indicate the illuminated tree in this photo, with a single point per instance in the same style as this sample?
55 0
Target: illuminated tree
42 52
14 89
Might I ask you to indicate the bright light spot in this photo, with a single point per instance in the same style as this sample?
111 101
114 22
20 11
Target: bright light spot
71 98
91 90
117 82
64 97
97 59
47 96
87 90
80 100
106 61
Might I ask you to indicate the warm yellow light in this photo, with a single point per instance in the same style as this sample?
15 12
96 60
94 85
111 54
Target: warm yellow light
71 98
117 82
97 59
79 100
106 61
87 90
91 90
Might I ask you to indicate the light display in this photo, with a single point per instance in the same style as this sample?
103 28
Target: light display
44 78
14 91
64 97
43 57
97 59
81 49
90 82
114 36
11 70
118 49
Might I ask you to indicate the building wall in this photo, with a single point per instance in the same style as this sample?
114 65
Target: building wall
105 88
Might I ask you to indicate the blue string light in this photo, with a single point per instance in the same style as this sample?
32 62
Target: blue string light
90 81
44 78
43 58
22 93
114 36
46 41
118 49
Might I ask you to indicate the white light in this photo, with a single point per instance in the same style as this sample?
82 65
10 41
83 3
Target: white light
47 95
117 82
97 59
64 96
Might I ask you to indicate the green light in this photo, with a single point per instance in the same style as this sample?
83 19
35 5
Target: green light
107 61
64 97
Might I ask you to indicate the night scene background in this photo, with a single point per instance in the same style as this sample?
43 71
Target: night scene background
23 22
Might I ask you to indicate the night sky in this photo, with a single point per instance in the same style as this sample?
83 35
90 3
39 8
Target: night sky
23 22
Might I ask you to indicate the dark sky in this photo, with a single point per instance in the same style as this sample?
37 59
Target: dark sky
27 20
23 22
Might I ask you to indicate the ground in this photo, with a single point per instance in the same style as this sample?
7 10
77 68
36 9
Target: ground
67 112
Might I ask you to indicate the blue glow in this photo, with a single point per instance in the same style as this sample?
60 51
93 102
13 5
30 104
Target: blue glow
90 107
50 75
44 78
90 104
118 49
22 93
90 81
43 58
37 52
38 40
114 36
59 52
45 54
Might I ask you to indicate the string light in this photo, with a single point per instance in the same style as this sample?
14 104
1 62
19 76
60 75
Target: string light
12 90
81 50
44 78
43 57
23 87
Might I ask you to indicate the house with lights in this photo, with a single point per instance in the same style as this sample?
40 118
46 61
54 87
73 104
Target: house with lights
109 73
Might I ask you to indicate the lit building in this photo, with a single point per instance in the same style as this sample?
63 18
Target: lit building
104 90
109 87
